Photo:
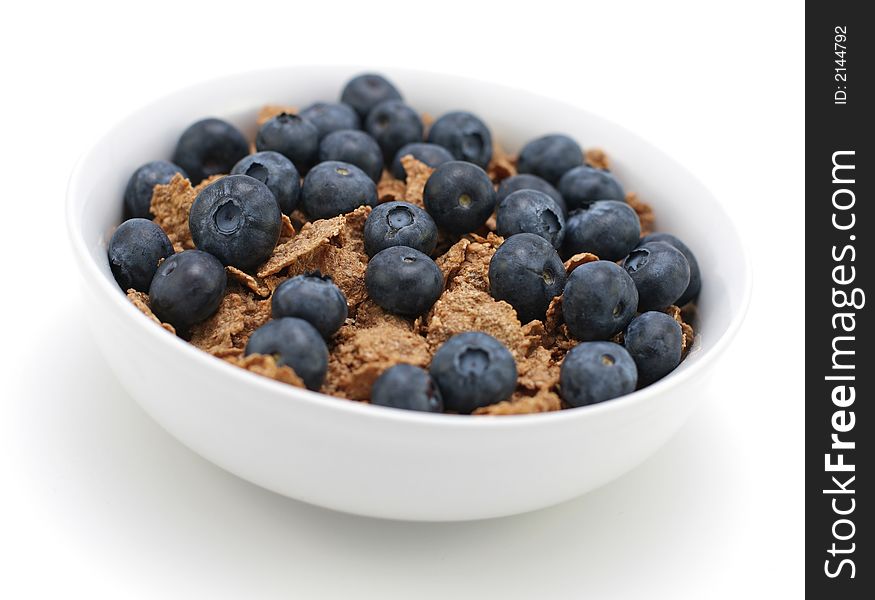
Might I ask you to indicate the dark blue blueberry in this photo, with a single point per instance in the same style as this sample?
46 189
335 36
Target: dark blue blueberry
600 299
275 171
654 341
464 135
399 224
695 285
531 211
237 220
187 288
393 124
293 343
331 116
334 188
138 193
292 136
403 281
353 147
135 249
209 147
431 154
407 387
583 185
363 92
608 228
526 272
596 371
459 196
660 272
550 157
313 297
529 182
472 370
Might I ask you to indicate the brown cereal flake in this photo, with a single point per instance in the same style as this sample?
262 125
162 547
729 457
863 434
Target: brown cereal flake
361 355
537 371
466 308
687 330
352 236
269 111
258 286
554 316
390 189
141 301
306 248
451 261
579 259
596 157
265 365
227 331
370 314
287 230
346 268
502 165
522 404
644 212
427 121
171 203
474 269
417 175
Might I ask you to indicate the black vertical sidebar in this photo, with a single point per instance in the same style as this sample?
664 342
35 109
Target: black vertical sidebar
840 235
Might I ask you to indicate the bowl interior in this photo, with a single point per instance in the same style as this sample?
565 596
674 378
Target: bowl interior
683 206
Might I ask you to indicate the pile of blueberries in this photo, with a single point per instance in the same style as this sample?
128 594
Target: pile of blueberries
327 160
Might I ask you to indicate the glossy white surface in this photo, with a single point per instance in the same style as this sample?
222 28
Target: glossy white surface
380 462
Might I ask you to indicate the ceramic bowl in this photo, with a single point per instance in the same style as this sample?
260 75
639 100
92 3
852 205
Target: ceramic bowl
377 461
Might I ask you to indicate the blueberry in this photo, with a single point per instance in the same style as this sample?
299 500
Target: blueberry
399 224
431 154
293 343
464 135
526 272
135 249
654 340
365 91
275 171
403 281
353 147
334 188
600 299
596 371
138 193
407 387
583 185
608 228
695 275
292 136
331 116
459 196
531 211
393 124
473 369
209 147
660 272
312 297
529 182
550 157
237 220
187 288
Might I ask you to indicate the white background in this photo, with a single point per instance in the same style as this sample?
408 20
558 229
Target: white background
96 501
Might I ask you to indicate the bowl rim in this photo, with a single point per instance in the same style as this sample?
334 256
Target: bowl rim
91 272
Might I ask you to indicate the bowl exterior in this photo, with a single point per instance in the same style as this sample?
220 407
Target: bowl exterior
370 460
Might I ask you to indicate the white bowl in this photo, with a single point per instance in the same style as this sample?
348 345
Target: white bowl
376 461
